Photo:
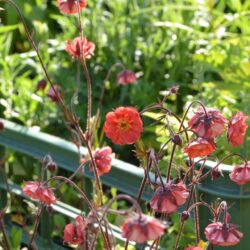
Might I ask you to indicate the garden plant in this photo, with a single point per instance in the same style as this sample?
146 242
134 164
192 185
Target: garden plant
191 138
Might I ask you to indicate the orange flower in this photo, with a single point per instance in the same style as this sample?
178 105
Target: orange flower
223 234
142 228
241 174
170 198
200 147
77 47
70 6
123 126
36 191
74 233
103 159
237 129
209 126
126 77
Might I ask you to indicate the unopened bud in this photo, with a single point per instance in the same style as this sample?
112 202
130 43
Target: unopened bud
216 173
185 215
174 89
176 139
41 85
51 166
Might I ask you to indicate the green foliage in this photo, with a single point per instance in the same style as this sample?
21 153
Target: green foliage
15 238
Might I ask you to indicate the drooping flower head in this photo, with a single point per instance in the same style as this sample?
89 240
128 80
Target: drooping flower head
223 234
142 228
241 174
54 93
37 191
237 129
103 158
200 147
123 125
70 6
170 198
126 77
74 232
207 126
78 46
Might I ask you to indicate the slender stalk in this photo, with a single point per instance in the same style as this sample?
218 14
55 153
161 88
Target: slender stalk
196 219
182 221
220 162
170 163
88 130
97 178
38 217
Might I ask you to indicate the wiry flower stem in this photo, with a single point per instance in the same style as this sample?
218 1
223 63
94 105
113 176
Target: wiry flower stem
220 162
38 217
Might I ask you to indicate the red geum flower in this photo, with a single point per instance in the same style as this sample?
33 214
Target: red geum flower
54 93
223 234
123 125
207 126
237 129
241 174
74 232
200 147
141 228
169 198
70 6
103 158
37 191
78 46
126 77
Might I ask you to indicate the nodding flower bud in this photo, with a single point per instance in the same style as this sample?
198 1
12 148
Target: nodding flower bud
41 85
51 166
216 173
174 89
185 215
176 139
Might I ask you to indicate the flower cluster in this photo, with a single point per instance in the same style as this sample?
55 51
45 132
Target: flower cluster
207 124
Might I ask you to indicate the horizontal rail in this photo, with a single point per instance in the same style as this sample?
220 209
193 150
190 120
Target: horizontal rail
123 176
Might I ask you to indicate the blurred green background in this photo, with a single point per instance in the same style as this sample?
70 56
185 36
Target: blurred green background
201 45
